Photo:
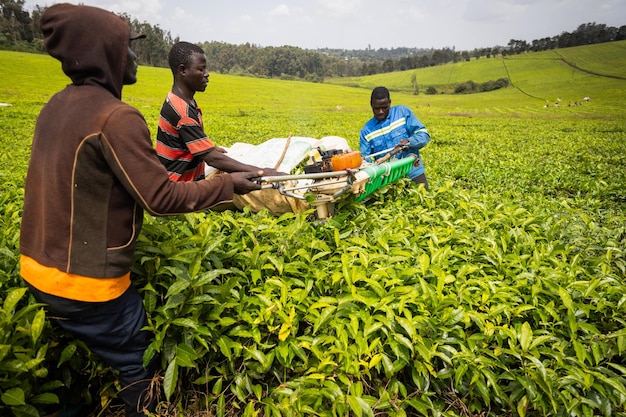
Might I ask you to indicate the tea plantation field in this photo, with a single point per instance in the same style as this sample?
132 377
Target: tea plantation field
499 292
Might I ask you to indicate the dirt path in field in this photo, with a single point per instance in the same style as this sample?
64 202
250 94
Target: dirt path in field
508 75
565 62
577 68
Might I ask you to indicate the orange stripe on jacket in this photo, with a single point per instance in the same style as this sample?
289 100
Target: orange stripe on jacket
74 287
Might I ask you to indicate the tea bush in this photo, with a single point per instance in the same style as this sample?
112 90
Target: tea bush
423 303
499 292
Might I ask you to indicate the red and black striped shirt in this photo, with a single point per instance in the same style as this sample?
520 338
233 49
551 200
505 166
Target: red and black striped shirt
181 139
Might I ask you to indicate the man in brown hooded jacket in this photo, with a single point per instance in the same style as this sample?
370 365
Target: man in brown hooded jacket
93 171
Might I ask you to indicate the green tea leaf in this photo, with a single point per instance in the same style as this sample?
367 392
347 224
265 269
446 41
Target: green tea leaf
525 336
13 397
12 298
67 353
185 356
170 379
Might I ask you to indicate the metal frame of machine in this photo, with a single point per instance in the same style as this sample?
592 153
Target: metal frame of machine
322 189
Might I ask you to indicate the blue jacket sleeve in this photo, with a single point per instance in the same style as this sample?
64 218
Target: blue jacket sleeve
418 134
364 145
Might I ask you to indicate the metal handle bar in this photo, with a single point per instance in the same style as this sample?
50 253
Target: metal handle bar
312 176
392 151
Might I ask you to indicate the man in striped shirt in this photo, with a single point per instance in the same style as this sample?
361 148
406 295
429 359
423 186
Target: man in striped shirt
393 126
182 145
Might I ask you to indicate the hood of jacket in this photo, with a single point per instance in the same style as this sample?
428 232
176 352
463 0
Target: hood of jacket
91 43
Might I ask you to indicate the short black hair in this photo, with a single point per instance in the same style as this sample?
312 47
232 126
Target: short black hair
181 53
379 93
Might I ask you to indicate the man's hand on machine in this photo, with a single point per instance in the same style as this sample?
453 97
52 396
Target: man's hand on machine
403 145
244 182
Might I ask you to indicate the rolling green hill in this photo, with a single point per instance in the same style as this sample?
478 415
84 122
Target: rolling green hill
537 78
596 71
254 110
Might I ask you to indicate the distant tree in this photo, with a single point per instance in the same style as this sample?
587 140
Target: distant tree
442 56
590 33
15 23
37 35
154 49
404 63
388 65
494 85
314 66
416 90
517 46
466 87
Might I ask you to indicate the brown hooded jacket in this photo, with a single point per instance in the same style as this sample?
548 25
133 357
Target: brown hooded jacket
93 168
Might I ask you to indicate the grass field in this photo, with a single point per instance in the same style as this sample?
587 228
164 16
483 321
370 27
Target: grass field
540 76
254 110
499 292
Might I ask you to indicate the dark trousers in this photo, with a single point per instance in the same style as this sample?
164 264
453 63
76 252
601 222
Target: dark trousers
112 330
421 179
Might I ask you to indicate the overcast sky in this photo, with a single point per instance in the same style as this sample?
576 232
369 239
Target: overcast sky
360 24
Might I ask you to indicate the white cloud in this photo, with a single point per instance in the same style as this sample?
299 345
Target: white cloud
344 7
280 10
182 14
494 10
245 18
354 24
142 10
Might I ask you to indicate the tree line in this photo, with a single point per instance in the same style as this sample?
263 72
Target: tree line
19 30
